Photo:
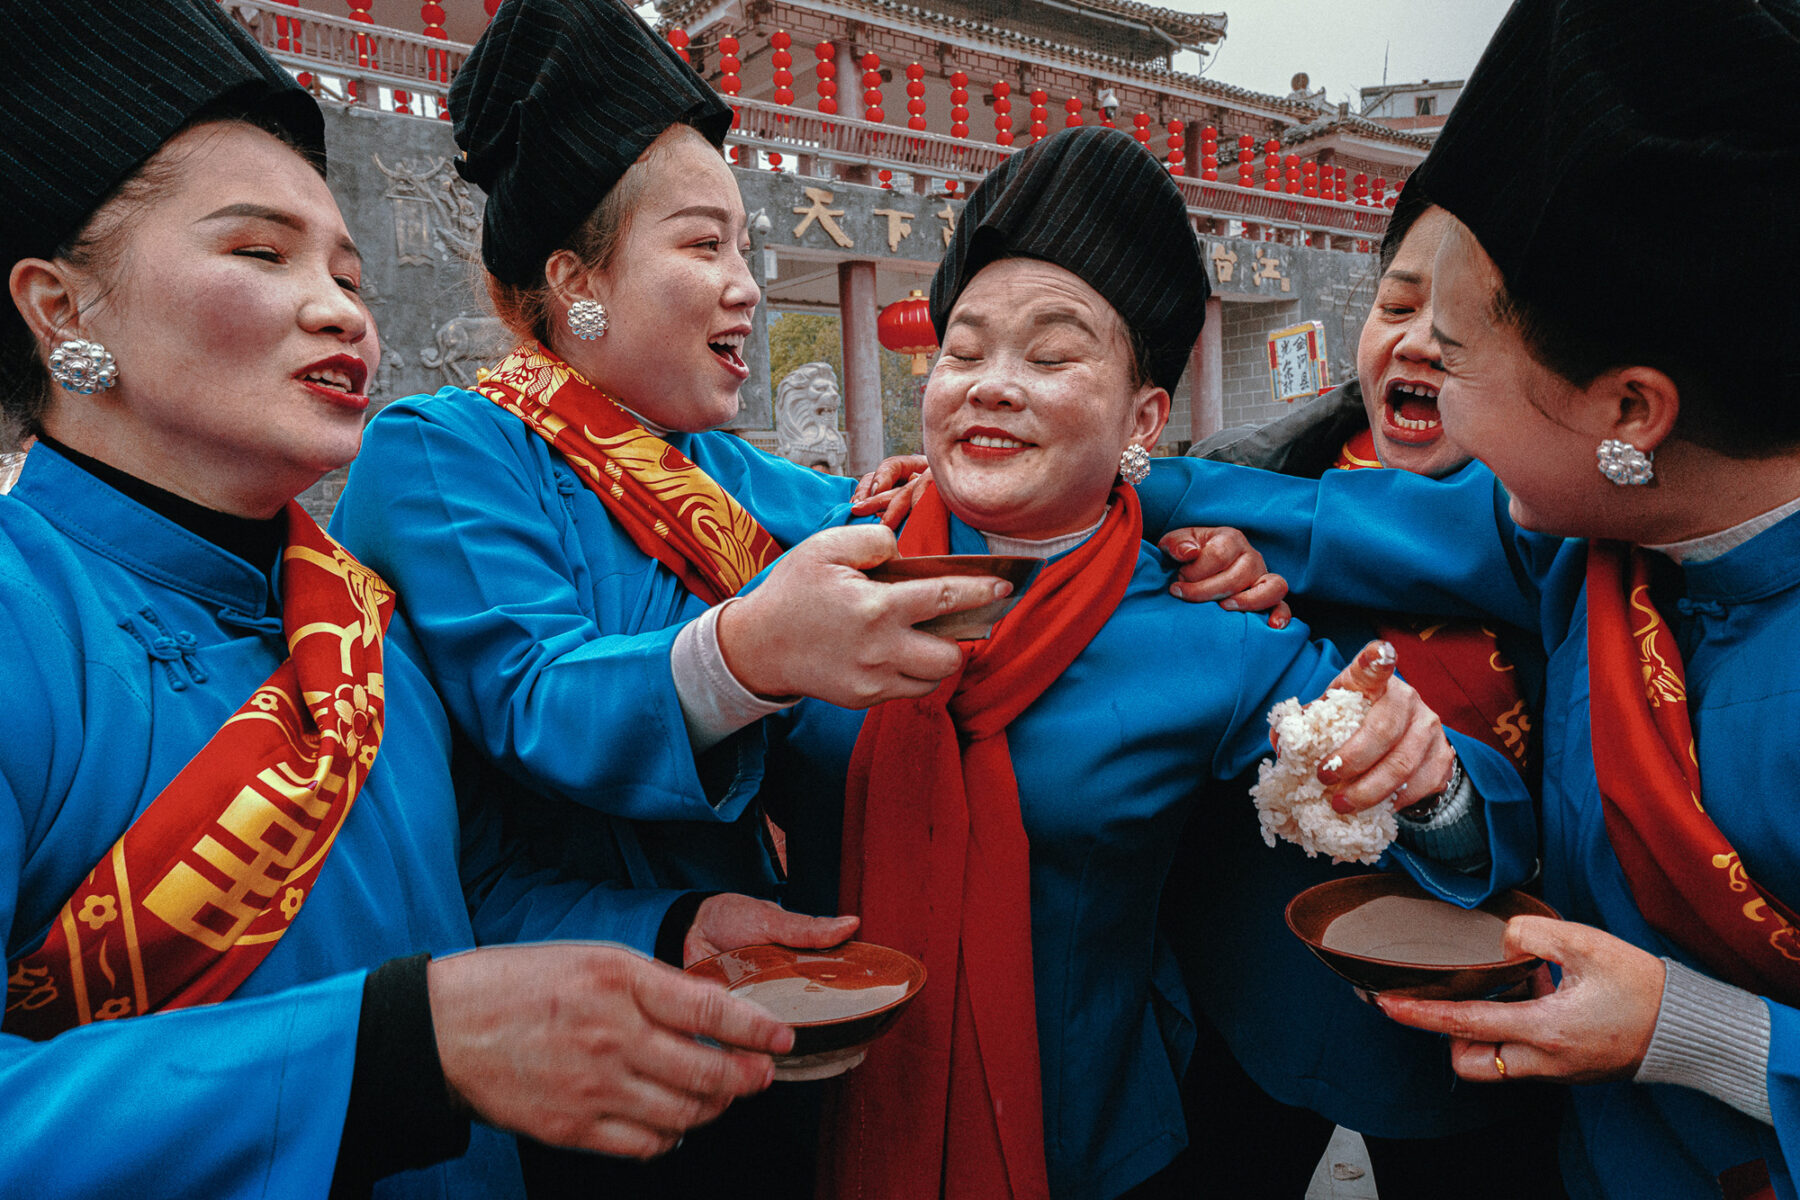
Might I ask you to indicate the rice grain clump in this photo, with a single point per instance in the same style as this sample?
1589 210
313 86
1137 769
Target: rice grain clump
1290 800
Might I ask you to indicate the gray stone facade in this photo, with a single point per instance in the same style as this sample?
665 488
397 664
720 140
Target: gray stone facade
419 229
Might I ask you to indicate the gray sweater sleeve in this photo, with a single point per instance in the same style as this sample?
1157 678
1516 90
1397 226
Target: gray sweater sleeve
1712 1037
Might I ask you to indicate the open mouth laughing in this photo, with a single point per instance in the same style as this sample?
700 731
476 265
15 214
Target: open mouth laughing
728 348
1409 412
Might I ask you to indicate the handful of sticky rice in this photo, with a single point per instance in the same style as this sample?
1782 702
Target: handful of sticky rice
1292 803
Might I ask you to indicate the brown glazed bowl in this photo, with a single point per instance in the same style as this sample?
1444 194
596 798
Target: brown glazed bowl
837 1001
1388 950
970 624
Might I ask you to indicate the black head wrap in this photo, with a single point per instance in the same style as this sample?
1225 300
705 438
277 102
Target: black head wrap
94 89
556 101
1095 203
1630 167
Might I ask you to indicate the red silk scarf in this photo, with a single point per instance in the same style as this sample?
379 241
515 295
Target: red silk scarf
207 879
670 508
1456 666
937 863
1686 878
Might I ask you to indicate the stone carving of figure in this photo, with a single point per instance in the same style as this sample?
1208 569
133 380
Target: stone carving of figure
806 419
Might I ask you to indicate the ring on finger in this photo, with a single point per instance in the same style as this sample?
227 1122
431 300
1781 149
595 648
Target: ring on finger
1499 1063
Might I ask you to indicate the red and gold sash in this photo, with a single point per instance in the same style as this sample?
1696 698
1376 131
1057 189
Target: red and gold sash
1685 877
1456 666
670 508
207 879
937 863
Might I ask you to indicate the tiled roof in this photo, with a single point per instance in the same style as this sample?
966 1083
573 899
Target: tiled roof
1080 57
1361 126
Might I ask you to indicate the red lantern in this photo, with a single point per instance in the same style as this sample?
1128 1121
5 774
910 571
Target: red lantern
871 80
1072 106
905 328
886 177
1140 128
950 186
825 68
729 66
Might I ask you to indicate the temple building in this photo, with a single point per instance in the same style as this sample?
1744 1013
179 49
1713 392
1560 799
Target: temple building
860 126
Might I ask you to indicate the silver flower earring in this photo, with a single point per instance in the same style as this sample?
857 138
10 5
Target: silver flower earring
1134 464
1624 464
587 319
85 367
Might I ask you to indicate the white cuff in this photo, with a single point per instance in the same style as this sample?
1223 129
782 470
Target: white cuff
714 704
1712 1037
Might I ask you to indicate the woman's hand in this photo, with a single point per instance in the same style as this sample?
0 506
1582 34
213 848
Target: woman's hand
891 489
817 626
730 921
1399 750
1596 1026
593 1047
1221 565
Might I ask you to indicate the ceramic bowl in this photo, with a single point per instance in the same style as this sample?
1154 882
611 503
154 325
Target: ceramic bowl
972 623
1409 943
837 1001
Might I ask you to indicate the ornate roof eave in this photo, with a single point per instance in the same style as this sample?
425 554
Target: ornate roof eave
1189 30
1356 131
982 38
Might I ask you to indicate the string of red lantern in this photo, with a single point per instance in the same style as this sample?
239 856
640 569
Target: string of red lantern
1209 152
915 96
678 38
1309 179
437 63
1379 200
959 106
1291 180
1271 166
825 67
1362 189
1177 158
1072 106
1246 160
1140 129
871 81
1003 133
1040 115
730 81
783 61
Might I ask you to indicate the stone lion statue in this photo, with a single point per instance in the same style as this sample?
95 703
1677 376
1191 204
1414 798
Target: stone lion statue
806 419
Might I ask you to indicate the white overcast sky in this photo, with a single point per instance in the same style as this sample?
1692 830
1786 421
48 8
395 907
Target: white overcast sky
1340 43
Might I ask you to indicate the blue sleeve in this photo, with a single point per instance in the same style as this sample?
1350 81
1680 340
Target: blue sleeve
786 498
1509 818
1784 1076
1273 665
1378 539
514 899
570 702
244 1098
